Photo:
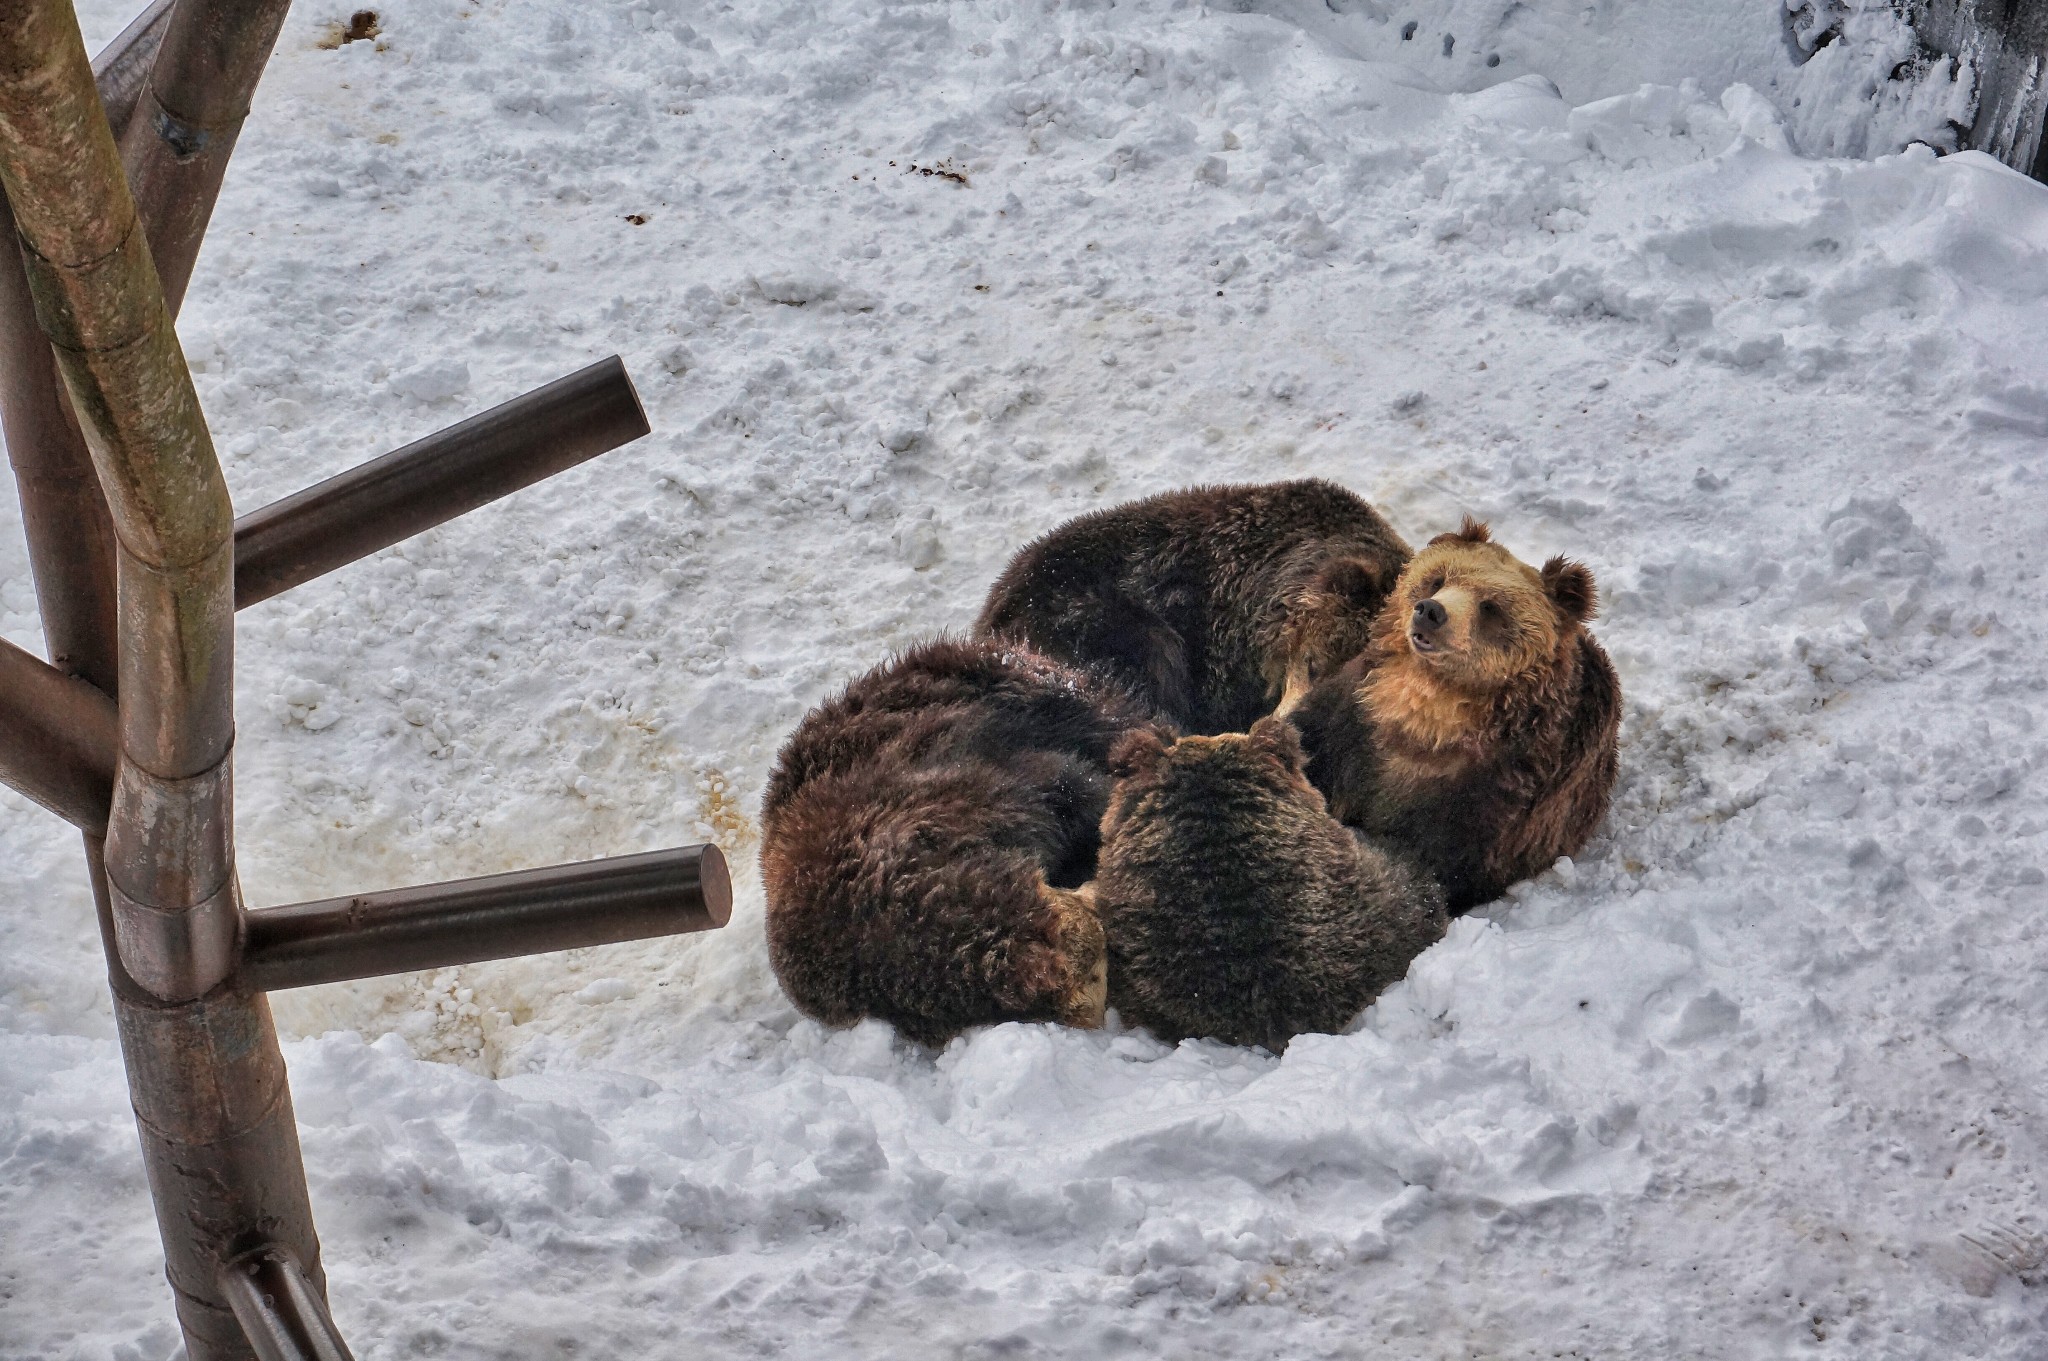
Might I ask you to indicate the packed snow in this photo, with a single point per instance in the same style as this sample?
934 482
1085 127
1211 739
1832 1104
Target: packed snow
1760 1074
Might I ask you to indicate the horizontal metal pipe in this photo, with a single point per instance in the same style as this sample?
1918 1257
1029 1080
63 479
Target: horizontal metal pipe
562 907
59 739
280 1311
433 480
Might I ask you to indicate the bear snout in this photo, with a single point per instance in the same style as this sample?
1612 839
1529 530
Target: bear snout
1425 624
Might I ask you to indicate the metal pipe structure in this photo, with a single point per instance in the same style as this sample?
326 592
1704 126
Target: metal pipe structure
176 145
57 746
98 302
562 907
58 739
283 1315
131 536
64 514
433 480
211 1103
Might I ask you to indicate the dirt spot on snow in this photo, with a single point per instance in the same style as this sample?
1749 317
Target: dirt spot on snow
362 26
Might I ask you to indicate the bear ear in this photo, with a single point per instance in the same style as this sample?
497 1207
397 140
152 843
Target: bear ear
1570 587
1136 752
1277 739
1469 531
1353 581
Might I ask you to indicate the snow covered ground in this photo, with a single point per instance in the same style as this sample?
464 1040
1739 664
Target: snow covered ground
1762 1075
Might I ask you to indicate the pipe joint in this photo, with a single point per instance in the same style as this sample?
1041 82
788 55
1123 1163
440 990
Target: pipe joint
170 873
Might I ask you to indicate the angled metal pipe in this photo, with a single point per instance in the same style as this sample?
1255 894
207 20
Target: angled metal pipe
122 67
177 144
433 480
58 739
562 907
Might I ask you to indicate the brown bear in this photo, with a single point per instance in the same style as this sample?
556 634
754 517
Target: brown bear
1208 603
922 835
1478 732
1236 907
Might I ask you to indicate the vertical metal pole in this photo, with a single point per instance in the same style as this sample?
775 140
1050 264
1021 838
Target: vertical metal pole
208 1083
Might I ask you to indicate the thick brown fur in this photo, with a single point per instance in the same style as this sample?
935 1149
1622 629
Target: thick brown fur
1236 907
1209 602
1482 744
922 836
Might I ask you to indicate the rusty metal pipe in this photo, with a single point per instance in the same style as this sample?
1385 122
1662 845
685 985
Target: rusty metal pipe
280 1312
562 907
58 739
177 144
433 480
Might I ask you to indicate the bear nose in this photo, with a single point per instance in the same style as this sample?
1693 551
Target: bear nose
1430 615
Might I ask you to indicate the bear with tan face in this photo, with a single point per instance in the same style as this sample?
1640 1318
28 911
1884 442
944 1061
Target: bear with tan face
1236 907
924 835
1478 731
1213 604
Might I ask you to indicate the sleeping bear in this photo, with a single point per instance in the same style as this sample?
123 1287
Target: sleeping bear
1212 604
1478 731
1236 907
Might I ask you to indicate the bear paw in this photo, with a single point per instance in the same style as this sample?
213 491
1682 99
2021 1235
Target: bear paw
1085 951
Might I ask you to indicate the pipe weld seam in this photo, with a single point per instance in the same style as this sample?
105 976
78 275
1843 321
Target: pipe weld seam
181 566
278 1097
33 256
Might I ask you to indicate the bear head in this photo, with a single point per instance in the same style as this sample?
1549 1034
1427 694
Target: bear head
1466 623
1155 773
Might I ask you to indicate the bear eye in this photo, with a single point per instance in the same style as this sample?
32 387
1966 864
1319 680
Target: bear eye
1434 584
1490 608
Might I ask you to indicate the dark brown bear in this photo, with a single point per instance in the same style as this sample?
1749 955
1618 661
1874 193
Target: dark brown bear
1478 732
922 836
1208 603
1236 907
